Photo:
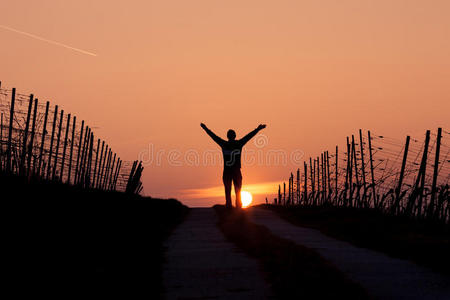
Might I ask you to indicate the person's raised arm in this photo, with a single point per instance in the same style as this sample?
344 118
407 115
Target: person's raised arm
216 139
251 134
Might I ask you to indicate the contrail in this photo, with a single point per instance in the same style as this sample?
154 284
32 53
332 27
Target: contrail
46 40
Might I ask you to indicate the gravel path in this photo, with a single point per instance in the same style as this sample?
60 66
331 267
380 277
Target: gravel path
383 277
202 264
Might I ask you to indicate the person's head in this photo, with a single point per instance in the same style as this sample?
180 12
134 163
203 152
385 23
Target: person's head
231 135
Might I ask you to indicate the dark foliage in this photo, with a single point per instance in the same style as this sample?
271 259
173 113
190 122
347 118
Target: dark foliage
63 241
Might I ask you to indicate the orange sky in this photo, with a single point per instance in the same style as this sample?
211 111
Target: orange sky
314 71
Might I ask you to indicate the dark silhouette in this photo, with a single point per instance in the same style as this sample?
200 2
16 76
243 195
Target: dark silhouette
231 151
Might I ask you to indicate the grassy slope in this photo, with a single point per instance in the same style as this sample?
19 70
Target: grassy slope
422 242
295 272
65 241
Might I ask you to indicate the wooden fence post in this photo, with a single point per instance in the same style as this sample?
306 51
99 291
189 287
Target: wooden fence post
324 184
83 154
355 161
64 148
297 192
396 208
57 144
363 170
71 149
375 202
419 184
96 161
336 179
30 147
312 179
1 141
91 149
77 165
277 201
319 192
435 173
99 166
10 131
424 167
108 165
305 190
117 174
328 176
44 132
100 181
23 153
350 173
51 142
111 173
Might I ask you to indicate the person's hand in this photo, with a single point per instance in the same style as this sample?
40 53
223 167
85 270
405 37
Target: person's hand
203 125
261 126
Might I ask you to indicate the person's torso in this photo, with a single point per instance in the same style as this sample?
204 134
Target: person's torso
231 151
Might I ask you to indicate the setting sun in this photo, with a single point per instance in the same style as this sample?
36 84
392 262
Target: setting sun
246 198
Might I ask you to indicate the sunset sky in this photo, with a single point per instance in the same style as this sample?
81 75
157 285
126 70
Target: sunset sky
146 73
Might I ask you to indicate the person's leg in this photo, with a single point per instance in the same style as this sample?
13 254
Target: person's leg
237 181
227 184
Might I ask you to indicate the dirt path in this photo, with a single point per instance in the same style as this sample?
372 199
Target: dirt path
383 277
201 264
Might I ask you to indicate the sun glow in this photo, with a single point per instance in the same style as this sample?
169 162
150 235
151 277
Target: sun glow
246 198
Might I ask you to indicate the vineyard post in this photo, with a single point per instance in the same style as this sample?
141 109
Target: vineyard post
279 194
51 142
105 178
336 179
11 117
1 141
349 173
424 164
77 165
91 150
355 161
23 153
79 177
289 190
363 170
117 174
297 192
398 190
96 162
30 147
64 148
319 192
71 148
375 202
84 172
312 179
324 185
328 176
57 144
435 172
418 186
99 165
44 132
111 176
305 200
1 137
99 182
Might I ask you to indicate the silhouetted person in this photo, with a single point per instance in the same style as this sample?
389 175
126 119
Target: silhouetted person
231 151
